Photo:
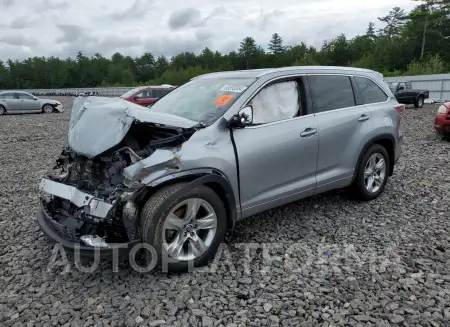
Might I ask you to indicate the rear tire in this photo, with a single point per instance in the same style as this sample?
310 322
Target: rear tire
154 222
372 173
419 102
2 110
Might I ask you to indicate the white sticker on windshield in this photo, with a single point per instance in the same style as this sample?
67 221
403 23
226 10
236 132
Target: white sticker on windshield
233 88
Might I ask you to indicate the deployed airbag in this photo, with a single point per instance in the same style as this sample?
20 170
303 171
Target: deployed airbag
275 102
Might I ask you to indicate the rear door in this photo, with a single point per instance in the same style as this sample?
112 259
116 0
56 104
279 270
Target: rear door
342 119
12 102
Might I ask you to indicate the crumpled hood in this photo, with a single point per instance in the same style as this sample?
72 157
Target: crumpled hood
99 123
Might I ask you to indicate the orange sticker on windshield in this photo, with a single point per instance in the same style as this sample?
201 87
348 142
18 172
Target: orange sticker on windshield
223 100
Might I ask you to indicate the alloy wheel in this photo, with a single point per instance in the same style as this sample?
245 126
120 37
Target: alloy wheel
48 109
374 173
189 229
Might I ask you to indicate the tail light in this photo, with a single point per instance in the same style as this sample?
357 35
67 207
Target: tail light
442 110
399 108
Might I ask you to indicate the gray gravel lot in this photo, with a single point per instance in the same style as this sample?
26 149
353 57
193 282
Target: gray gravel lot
327 260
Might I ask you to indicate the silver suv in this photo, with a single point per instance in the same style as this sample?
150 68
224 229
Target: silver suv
220 148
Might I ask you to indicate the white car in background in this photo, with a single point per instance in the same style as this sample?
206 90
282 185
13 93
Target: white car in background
18 102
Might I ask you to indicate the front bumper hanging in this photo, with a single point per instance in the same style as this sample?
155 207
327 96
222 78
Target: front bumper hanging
94 207
59 233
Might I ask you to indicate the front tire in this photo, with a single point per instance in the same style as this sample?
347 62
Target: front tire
372 173
2 110
47 109
419 102
185 227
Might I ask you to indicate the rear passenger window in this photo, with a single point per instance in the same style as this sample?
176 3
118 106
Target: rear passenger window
370 91
331 92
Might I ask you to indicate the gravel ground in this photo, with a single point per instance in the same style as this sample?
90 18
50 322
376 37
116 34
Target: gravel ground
323 261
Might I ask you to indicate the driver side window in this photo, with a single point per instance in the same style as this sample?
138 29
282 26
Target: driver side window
276 102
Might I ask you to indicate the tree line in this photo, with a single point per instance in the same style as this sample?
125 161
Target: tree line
407 43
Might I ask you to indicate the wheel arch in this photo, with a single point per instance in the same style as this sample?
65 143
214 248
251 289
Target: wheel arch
214 180
421 94
385 140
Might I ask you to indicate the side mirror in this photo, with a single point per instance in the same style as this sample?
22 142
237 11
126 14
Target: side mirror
135 98
243 118
400 88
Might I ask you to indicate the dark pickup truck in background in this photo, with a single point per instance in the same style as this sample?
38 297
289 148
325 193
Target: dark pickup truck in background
405 94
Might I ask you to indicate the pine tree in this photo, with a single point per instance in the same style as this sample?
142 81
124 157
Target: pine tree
394 21
248 50
276 45
371 30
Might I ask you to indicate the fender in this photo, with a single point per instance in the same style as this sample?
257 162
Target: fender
202 177
366 147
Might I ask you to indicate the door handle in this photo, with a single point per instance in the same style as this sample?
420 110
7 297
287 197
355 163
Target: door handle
364 117
308 132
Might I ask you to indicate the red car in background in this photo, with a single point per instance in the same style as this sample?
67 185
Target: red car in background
442 120
146 95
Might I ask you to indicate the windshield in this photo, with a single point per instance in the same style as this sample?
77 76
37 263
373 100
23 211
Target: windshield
203 100
393 86
131 92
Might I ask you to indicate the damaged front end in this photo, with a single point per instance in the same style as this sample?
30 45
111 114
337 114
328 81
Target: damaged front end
86 198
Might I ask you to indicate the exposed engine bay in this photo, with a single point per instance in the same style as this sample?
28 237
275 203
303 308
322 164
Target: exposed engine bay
101 178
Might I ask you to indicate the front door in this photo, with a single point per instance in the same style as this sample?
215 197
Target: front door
28 103
402 93
277 154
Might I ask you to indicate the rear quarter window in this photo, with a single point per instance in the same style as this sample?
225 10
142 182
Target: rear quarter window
370 91
159 93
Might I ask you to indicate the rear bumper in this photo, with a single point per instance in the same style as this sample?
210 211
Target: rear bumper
54 232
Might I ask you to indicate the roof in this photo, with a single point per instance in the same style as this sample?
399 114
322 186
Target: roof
257 73
15 91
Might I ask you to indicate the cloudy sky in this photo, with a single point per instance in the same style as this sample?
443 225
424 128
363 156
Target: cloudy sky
62 27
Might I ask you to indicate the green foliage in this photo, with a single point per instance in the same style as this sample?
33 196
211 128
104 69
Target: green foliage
433 65
403 43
